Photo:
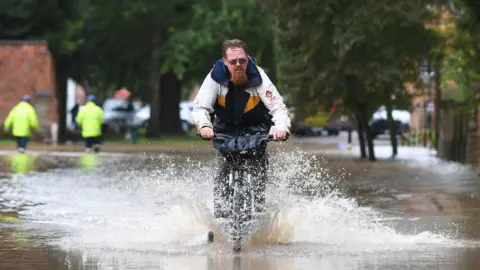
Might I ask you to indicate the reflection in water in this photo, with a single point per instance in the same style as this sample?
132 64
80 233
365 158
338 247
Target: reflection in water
16 255
88 160
24 163
20 162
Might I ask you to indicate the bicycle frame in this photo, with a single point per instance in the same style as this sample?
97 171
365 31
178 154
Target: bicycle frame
241 195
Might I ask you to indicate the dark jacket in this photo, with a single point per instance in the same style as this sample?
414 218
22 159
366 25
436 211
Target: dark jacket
238 111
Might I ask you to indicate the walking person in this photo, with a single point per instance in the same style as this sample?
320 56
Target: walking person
22 118
90 119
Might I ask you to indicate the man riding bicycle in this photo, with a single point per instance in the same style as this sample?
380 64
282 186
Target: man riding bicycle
242 100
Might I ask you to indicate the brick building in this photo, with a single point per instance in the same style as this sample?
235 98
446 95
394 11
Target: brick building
26 67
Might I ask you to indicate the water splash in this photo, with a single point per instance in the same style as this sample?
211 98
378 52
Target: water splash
164 203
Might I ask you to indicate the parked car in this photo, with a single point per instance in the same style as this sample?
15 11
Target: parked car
302 130
116 114
381 126
379 122
324 121
345 123
403 116
142 116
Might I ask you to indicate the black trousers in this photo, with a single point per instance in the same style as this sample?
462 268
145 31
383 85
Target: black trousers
220 190
93 141
22 142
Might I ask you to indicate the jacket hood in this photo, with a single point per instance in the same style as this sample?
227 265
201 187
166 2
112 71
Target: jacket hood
221 75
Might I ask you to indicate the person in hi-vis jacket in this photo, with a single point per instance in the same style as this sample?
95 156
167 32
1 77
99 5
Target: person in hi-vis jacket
90 119
22 118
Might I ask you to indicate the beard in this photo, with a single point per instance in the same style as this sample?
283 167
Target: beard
239 77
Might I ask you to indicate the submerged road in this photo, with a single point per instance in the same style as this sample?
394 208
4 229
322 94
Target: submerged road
152 211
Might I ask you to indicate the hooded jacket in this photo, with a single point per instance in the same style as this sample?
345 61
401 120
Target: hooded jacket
254 108
23 118
90 118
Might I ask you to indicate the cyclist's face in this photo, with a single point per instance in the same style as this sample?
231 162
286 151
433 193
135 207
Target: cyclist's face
235 59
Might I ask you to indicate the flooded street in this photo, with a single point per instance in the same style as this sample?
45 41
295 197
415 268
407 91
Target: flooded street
152 211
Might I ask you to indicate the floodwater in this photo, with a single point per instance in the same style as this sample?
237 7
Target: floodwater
152 211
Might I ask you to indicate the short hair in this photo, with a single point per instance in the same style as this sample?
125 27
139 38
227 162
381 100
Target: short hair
233 43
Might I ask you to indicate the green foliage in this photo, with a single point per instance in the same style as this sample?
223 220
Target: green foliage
348 51
56 21
118 39
356 51
463 53
197 46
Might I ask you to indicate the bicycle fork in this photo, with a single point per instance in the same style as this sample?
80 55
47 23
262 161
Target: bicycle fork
247 189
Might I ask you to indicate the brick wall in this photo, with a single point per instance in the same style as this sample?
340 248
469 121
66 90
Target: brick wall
26 68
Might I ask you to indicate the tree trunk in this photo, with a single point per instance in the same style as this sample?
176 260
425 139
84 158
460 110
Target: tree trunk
155 77
61 78
438 98
368 132
170 92
349 136
361 136
393 128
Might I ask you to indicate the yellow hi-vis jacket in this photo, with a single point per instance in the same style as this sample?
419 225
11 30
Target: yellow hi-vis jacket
90 118
23 117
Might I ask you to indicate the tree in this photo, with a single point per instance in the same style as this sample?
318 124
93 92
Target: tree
353 51
127 46
151 47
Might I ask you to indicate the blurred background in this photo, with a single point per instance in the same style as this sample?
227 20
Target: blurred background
404 69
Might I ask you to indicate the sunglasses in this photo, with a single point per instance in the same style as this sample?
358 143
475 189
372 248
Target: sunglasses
240 61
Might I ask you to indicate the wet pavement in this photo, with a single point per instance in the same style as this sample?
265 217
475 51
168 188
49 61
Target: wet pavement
328 210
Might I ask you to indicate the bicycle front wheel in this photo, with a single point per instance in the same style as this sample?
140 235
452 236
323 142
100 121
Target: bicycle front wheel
237 219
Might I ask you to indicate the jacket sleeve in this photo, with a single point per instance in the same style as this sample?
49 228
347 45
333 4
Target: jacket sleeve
9 119
203 103
274 102
80 117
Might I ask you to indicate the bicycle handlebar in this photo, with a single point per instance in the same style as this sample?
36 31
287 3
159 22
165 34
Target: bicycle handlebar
270 137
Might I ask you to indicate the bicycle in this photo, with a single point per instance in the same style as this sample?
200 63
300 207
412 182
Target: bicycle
240 188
